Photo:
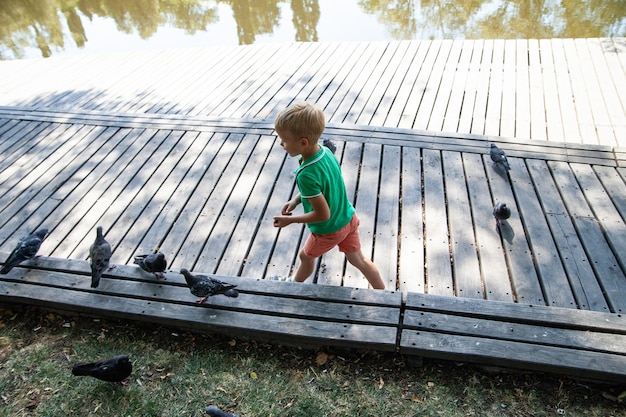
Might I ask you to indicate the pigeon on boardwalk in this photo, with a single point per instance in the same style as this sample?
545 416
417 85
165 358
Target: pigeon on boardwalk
204 287
115 369
498 156
154 263
330 145
26 248
214 411
100 255
501 212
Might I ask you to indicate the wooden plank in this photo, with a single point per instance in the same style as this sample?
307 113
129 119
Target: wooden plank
582 281
551 274
539 315
508 108
494 103
614 185
96 206
600 113
482 89
152 213
545 336
538 125
602 260
525 356
387 217
432 85
411 268
203 318
553 116
338 109
246 229
522 91
366 205
521 266
460 98
494 271
581 98
437 252
213 250
444 98
601 204
385 86
465 262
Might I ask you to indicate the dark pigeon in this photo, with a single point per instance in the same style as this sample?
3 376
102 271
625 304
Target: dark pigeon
214 411
501 212
26 248
498 156
154 263
330 145
100 255
115 369
204 287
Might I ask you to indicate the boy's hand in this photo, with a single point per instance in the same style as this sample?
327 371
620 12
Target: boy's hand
282 221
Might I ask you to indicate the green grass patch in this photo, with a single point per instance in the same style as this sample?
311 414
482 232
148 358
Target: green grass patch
180 373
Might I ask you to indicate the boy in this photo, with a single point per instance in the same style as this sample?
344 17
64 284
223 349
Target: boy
327 211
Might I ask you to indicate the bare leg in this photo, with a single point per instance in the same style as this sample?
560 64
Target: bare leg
367 268
306 268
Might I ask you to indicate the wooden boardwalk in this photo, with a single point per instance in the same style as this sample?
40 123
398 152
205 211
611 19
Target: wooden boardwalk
560 90
158 163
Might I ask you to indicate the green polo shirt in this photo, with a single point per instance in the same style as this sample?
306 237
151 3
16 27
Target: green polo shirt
321 174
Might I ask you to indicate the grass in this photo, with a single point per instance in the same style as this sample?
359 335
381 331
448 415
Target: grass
179 374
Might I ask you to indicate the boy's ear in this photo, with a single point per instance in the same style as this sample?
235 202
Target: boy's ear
304 141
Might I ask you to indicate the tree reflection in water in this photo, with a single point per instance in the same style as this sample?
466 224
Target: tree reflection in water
54 25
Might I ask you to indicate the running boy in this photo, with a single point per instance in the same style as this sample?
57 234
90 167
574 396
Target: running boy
328 213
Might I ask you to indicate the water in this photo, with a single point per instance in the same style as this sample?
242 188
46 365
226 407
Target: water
43 28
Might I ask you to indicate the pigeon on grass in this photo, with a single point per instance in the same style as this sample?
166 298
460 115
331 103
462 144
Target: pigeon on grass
498 156
100 255
214 411
204 287
115 369
154 263
26 248
501 212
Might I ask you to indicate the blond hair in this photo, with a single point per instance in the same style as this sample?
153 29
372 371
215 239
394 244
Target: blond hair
302 120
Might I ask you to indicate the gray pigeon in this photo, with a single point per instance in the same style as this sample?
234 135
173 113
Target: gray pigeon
100 255
501 212
115 369
204 287
26 248
330 145
498 156
154 263
214 411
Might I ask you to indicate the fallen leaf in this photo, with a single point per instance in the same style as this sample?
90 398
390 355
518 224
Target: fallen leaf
232 343
416 399
321 359
430 384
253 375
381 383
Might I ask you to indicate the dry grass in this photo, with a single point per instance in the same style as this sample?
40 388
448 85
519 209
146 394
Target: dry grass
179 374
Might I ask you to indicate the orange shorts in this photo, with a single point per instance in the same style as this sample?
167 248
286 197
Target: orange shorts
347 238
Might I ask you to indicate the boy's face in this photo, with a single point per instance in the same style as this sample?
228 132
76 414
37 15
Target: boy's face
292 145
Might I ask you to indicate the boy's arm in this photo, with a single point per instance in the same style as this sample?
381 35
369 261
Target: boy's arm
320 213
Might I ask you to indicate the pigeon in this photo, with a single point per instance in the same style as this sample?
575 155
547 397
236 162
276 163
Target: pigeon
154 263
203 286
26 248
330 145
501 212
498 156
115 369
214 411
100 254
